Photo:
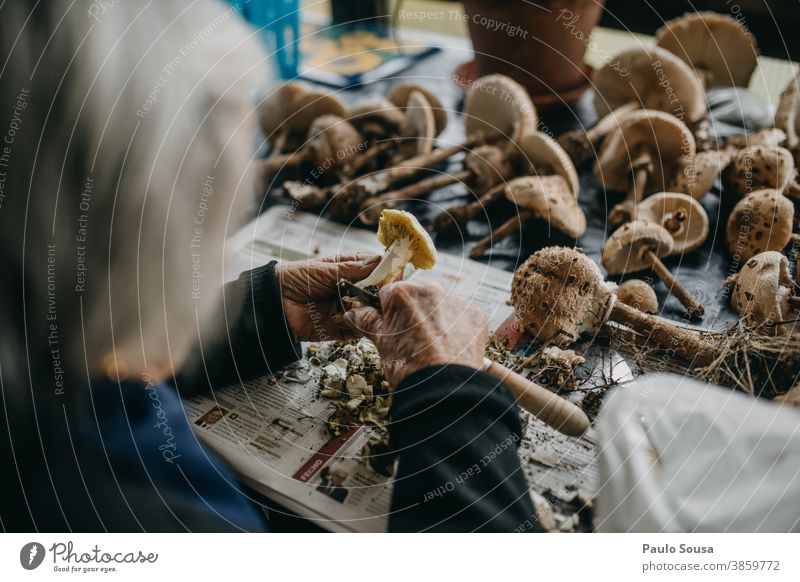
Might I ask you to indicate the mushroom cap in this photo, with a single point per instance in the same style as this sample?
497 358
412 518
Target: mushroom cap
333 140
277 106
497 106
307 106
624 250
549 198
761 221
715 44
695 176
489 164
692 231
787 115
400 94
395 224
546 156
559 293
381 111
639 295
419 125
654 78
762 288
664 137
757 167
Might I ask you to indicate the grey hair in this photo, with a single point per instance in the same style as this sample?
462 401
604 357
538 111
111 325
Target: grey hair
127 131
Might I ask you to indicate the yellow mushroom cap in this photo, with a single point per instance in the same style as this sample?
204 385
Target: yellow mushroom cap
397 224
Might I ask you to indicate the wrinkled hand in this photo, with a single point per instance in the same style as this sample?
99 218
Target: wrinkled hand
422 325
310 297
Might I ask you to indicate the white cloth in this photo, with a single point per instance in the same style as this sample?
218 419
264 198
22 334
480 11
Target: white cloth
679 455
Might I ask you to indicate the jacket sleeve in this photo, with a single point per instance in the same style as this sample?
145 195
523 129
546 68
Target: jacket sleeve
456 431
248 338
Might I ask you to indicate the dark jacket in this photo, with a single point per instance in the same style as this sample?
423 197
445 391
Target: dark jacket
126 458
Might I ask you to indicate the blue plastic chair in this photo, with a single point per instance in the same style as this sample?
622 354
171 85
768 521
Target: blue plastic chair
279 24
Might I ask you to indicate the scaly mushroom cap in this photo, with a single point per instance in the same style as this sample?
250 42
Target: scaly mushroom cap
639 295
624 250
559 293
695 176
761 221
758 167
310 106
644 76
715 45
761 290
787 116
496 105
683 217
399 224
400 95
333 141
380 112
549 198
541 155
277 106
662 136
489 164
419 126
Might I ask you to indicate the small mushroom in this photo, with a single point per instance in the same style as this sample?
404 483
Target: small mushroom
536 154
758 167
484 167
400 95
558 294
761 221
275 108
640 155
696 175
637 246
376 119
681 215
762 292
418 131
639 295
548 198
404 242
498 107
719 50
636 79
787 115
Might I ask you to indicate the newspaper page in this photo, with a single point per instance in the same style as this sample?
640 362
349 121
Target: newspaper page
273 430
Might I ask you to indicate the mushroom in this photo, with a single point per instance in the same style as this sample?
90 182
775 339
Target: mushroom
640 156
275 108
696 175
400 95
638 78
559 294
637 246
758 167
539 155
376 119
761 221
548 198
787 115
719 50
762 292
418 131
638 294
404 242
485 167
681 215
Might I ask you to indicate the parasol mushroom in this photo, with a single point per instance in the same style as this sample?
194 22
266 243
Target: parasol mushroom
558 294
716 46
761 221
638 79
638 294
640 156
485 167
761 166
762 292
681 215
637 246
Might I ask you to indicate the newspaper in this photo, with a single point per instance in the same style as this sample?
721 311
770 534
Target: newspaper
272 430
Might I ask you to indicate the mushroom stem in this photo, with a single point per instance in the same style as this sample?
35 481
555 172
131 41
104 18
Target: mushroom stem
452 219
273 164
361 160
794 301
682 342
639 183
502 232
372 207
579 143
792 191
692 305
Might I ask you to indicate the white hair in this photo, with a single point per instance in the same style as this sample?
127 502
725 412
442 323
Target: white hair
126 129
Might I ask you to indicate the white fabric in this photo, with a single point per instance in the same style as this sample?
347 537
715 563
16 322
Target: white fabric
679 455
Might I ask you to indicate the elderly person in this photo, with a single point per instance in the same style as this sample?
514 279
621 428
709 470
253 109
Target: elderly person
118 120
